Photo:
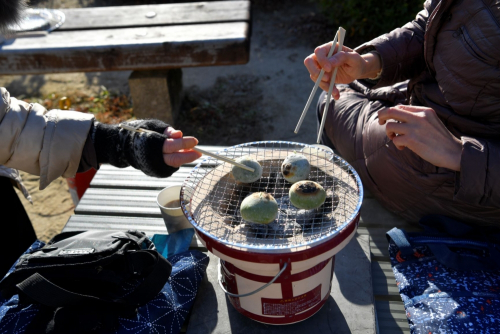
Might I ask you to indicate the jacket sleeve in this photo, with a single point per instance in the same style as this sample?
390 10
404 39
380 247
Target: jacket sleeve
41 142
479 179
401 50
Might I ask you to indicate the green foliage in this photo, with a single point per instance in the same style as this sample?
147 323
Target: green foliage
367 19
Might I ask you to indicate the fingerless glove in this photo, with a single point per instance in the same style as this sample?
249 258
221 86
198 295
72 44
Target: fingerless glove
141 150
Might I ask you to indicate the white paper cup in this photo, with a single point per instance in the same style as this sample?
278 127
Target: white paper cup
172 216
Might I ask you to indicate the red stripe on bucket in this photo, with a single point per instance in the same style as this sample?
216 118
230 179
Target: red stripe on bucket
290 319
280 257
286 284
285 276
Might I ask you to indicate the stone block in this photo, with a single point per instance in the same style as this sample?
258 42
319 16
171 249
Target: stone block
156 94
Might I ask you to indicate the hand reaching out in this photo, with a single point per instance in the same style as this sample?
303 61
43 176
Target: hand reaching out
420 130
157 153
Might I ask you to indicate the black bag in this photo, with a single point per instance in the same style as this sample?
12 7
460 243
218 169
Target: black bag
84 280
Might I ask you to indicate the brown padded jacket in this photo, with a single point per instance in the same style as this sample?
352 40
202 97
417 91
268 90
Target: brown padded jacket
450 53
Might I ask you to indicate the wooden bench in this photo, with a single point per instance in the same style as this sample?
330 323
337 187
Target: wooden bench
126 199
155 41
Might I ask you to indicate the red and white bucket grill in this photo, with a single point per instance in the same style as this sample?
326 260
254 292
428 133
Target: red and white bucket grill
272 274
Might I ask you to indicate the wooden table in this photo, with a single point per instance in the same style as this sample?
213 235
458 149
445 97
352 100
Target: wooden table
124 199
163 38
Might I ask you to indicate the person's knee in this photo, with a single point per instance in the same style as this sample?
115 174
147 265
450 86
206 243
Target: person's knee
341 120
332 113
320 106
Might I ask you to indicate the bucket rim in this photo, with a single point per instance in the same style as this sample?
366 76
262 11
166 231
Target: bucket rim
209 161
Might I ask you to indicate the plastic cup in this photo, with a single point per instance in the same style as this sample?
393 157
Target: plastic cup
172 214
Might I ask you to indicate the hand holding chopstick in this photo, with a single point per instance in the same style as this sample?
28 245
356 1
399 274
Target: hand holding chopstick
213 155
332 83
316 84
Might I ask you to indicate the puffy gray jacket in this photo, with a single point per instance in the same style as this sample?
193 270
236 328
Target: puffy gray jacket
41 142
451 55
44 143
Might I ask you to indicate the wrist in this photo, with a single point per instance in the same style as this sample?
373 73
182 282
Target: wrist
372 67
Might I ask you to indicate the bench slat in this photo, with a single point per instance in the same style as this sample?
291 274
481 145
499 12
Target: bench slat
371 217
134 181
167 14
150 226
391 317
116 202
384 283
128 49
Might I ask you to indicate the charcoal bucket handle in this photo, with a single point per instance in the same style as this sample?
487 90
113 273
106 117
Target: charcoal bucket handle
221 265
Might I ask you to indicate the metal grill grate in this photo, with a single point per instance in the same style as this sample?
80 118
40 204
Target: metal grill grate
215 198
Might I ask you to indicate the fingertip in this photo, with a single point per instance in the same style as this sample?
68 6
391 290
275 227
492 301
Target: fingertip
324 86
191 138
189 142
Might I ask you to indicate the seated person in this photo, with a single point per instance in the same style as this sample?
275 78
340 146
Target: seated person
430 145
61 143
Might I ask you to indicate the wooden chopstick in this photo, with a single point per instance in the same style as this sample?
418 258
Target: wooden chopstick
213 155
332 83
131 128
316 84
220 157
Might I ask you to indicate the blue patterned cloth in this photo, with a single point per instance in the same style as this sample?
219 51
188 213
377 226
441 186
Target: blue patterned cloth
165 314
439 299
